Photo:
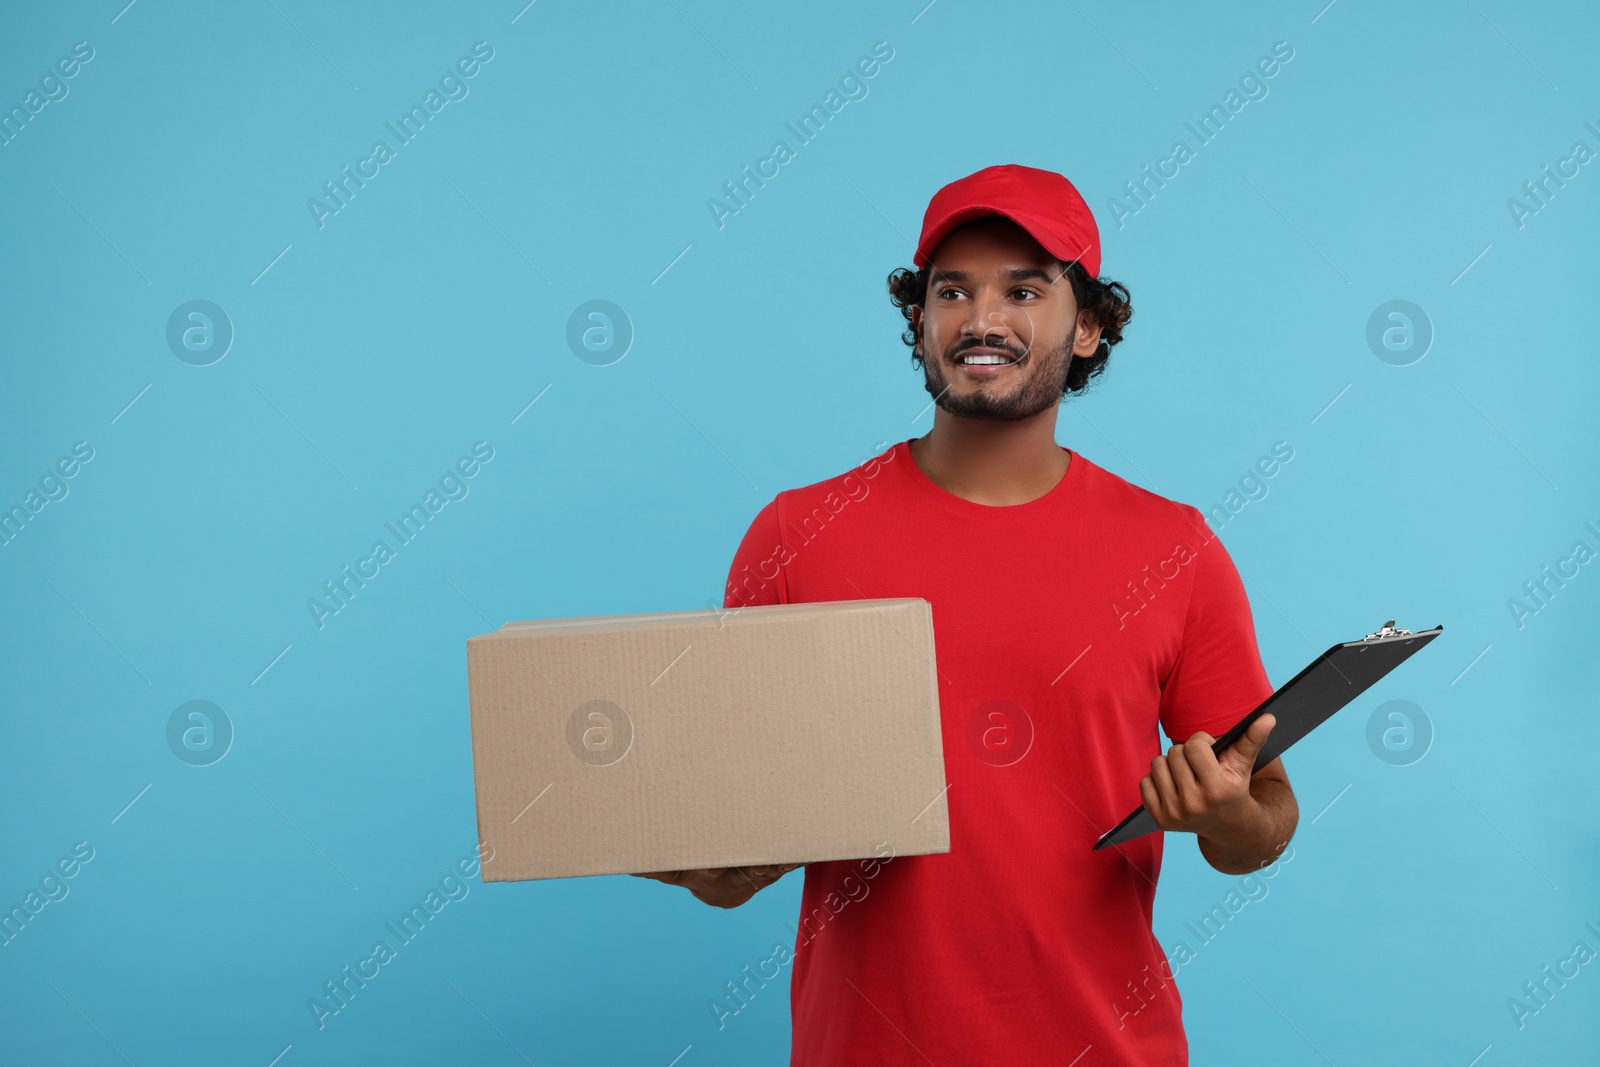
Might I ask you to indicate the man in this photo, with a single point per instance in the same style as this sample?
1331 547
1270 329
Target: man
1072 611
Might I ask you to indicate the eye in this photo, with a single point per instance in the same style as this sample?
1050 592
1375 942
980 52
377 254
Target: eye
1029 292
948 291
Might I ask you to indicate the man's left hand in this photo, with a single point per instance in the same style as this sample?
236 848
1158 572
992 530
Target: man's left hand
1193 790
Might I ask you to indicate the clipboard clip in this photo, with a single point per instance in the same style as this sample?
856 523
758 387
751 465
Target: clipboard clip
1388 629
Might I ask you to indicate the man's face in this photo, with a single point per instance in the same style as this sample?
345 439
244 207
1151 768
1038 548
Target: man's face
993 291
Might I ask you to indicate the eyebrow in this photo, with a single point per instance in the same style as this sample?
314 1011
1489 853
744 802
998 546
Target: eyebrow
1016 274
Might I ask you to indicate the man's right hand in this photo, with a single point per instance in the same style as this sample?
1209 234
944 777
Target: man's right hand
724 887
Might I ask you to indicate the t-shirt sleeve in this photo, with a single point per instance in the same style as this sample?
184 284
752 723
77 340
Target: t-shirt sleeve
757 575
1218 676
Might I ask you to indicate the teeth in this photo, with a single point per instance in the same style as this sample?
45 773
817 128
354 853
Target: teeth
984 359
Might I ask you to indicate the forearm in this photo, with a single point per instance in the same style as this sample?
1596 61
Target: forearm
1258 837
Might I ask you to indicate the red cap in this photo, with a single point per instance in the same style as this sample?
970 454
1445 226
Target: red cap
1040 201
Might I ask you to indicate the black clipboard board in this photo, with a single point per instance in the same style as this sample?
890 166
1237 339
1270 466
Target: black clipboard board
1303 703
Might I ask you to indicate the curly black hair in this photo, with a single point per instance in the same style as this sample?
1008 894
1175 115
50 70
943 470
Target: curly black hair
1108 302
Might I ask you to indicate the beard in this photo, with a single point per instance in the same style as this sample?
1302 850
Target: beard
1040 383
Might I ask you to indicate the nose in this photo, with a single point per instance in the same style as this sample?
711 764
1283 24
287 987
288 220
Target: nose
989 325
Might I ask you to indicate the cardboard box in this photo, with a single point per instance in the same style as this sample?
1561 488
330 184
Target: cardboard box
785 733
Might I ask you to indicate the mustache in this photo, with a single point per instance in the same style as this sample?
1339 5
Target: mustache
966 346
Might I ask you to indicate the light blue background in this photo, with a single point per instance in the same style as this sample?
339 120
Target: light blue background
430 311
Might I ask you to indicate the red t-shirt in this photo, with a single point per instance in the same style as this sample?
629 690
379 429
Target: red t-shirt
1064 628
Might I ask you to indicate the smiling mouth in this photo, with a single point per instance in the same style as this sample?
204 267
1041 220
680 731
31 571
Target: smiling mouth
986 357
985 371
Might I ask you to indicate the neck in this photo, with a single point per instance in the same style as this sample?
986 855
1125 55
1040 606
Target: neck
995 462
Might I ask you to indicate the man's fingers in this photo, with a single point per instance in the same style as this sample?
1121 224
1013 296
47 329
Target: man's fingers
774 871
1207 766
1151 798
1243 753
1161 779
710 877
1183 777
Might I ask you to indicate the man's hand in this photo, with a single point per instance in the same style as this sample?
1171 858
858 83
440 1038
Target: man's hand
724 887
1191 789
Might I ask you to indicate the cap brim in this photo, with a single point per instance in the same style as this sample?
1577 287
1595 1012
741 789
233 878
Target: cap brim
1035 229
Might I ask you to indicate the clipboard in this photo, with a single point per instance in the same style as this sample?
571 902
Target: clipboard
1303 703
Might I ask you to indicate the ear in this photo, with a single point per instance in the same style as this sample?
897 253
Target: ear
1087 341
916 323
